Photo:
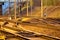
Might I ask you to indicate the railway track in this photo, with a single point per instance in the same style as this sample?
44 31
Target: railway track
29 35
54 22
22 33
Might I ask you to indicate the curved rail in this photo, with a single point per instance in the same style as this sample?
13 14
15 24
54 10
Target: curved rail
50 9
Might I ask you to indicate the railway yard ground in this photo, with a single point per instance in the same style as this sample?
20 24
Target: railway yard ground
32 26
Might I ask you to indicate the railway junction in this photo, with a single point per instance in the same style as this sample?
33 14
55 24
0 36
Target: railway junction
30 20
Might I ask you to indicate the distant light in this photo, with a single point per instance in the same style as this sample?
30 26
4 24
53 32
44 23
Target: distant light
25 19
10 18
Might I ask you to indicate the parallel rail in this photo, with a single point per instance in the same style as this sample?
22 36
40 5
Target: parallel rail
23 33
